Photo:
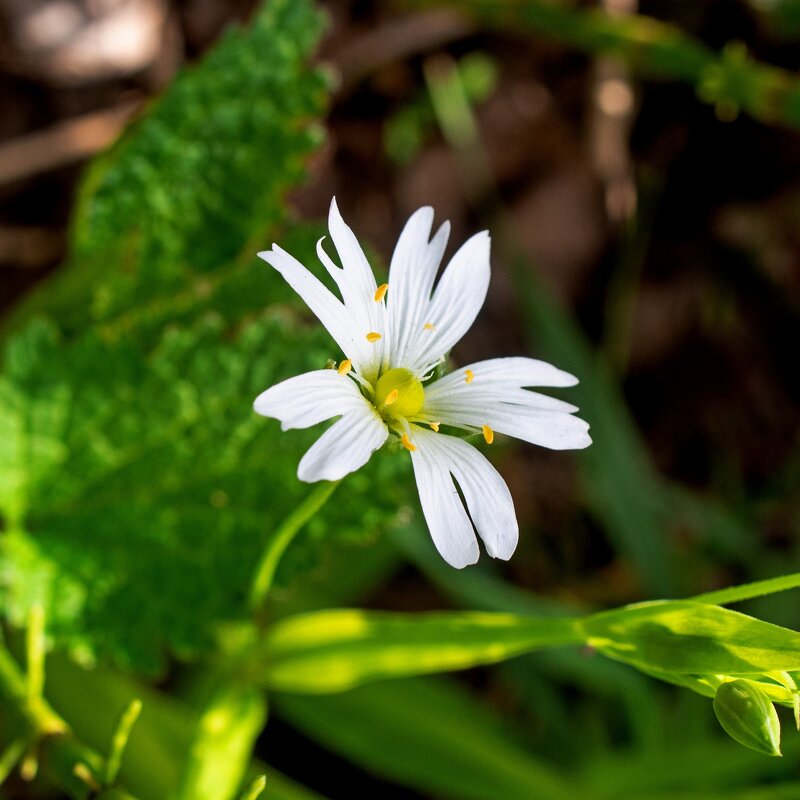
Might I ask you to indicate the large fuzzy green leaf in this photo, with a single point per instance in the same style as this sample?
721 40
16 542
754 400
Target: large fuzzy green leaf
137 486
149 486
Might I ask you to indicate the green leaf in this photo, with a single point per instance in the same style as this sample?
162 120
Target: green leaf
144 524
279 787
329 651
693 765
747 591
680 641
430 735
688 638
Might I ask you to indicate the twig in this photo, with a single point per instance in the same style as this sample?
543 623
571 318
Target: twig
26 247
398 40
63 144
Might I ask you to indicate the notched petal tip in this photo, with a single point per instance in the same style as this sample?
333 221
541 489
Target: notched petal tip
577 439
505 551
274 253
462 560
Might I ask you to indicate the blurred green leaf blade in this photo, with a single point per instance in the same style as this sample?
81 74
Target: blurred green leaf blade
431 735
334 650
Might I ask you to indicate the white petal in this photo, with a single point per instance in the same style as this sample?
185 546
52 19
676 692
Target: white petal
512 371
485 492
328 308
310 398
456 302
354 263
345 447
495 397
448 523
357 285
551 429
415 263
481 396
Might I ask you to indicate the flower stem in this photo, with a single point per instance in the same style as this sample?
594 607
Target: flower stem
282 538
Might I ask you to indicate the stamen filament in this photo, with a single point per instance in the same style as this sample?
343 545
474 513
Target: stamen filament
345 367
406 442
380 293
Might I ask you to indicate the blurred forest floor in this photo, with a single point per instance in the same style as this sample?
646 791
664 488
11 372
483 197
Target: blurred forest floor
672 235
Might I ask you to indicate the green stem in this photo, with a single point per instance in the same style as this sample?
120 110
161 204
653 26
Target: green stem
747 591
11 756
224 736
282 538
652 48
71 765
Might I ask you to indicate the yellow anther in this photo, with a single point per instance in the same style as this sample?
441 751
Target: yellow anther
391 397
469 376
406 442
380 293
345 367
373 337
428 326
488 434
434 426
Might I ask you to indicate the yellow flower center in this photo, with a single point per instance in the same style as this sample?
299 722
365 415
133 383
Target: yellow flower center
398 393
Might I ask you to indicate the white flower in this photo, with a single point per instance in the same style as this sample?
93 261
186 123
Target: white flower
393 336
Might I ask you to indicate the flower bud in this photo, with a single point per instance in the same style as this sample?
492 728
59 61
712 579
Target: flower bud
748 716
